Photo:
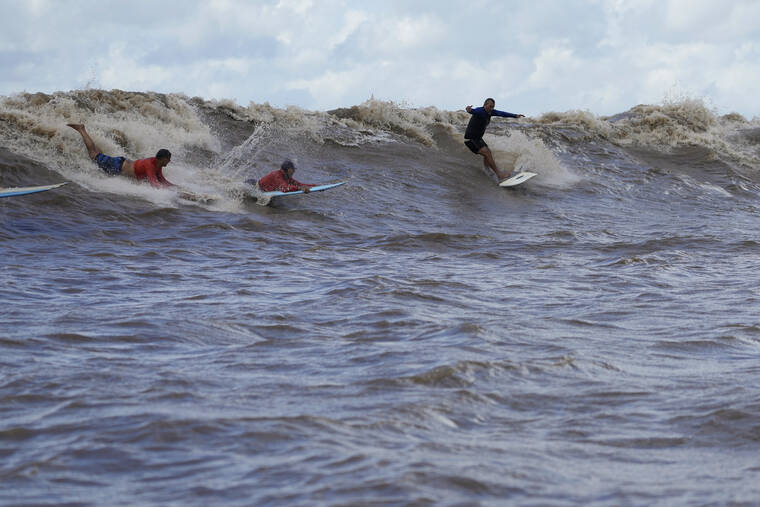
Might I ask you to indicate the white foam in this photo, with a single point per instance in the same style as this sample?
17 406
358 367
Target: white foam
134 125
235 163
413 123
674 123
517 151
716 189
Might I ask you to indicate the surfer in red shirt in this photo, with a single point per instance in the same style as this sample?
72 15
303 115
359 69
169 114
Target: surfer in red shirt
150 169
282 180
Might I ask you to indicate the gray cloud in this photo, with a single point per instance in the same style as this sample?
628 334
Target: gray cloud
547 55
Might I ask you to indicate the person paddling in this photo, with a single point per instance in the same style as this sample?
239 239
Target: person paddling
150 169
476 129
282 180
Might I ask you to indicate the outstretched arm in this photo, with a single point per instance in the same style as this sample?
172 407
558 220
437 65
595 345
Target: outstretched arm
506 115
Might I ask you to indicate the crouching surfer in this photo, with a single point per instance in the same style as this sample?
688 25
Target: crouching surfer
476 129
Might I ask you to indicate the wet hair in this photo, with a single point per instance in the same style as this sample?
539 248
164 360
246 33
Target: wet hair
486 101
287 164
163 153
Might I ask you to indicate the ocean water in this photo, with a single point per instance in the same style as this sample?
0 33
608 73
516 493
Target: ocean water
418 336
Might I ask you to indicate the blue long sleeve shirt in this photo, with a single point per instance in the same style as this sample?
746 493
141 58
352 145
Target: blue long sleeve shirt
480 120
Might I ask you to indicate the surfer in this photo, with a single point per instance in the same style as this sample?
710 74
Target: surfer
282 180
150 169
476 128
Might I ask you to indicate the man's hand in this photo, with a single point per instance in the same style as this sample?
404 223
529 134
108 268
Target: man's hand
306 190
521 116
468 108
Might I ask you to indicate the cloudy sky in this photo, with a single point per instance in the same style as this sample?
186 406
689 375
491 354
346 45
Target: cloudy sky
543 55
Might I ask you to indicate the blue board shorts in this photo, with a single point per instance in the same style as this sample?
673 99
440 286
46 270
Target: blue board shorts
111 165
475 144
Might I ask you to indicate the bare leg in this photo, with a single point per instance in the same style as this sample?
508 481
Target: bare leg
489 162
92 150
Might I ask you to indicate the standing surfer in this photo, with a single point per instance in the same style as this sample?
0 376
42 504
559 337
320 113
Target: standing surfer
476 128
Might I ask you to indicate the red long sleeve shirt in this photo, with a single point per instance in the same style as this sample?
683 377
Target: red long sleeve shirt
276 180
147 168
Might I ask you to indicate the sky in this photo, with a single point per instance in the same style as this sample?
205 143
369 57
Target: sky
603 56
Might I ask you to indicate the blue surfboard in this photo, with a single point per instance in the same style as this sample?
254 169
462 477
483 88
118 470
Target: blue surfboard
264 198
318 188
12 192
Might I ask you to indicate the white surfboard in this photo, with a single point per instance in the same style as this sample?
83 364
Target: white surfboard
516 179
265 197
11 192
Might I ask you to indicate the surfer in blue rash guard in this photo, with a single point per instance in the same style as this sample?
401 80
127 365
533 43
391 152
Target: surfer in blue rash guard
476 129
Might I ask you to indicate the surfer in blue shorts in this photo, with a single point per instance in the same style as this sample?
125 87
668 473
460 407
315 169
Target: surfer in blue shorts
150 169
476 129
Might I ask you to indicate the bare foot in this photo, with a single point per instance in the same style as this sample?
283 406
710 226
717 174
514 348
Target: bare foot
79 127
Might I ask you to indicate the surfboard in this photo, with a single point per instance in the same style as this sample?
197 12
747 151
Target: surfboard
264 198
516 179
318 188
11 192
200 198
